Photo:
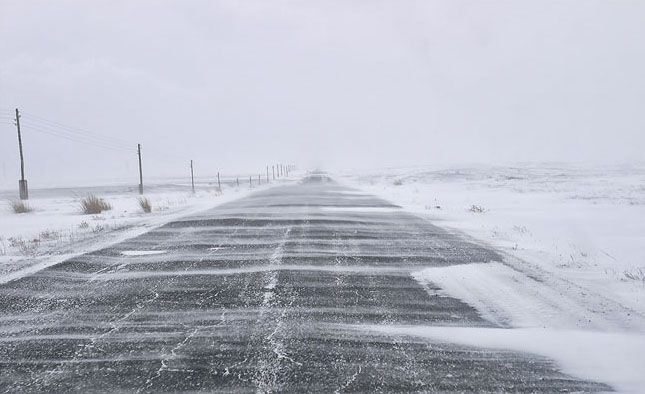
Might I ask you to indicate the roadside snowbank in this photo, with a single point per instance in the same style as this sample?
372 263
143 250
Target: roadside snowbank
616 359
512 298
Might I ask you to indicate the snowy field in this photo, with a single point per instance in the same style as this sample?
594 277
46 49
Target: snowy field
572 283
56 230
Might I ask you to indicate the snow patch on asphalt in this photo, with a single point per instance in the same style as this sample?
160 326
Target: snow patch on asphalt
510 298
362 209
349 193
615 359
143 252
270 268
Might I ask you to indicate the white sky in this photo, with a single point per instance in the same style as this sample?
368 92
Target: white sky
236 85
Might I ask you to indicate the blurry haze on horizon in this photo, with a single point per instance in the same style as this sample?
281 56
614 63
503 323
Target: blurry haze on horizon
236 85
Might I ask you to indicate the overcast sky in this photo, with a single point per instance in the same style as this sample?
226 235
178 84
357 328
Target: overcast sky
235 85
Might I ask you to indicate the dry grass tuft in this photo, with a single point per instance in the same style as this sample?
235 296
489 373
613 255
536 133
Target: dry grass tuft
26 247
145 204
93 205
19 206
637 274
477 209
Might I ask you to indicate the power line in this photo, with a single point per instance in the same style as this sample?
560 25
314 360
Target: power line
82 137
70 133
165 156
72 138
79 135
73 130
7 121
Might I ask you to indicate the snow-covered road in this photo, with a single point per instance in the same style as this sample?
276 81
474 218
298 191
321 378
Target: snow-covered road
311 287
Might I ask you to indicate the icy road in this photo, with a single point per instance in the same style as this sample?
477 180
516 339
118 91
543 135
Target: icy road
275 292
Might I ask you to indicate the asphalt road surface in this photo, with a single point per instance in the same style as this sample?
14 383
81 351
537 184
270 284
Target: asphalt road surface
264 294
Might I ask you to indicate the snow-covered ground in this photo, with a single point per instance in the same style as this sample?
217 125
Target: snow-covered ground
56 229
582 224
572 283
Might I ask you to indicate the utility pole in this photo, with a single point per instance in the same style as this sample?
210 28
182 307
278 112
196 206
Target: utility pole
192 176
22 184
219 185
140 170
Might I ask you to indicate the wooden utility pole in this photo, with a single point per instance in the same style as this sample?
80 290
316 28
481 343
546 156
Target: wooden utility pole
22 184
140 170
192 176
